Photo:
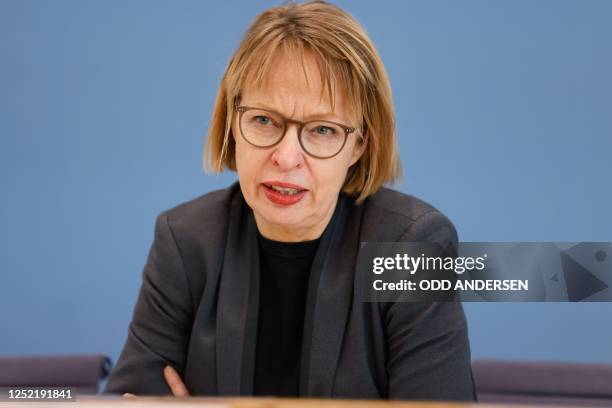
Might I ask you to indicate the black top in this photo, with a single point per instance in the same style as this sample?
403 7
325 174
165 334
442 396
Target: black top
284 272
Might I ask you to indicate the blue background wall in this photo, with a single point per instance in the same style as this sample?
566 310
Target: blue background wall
504 117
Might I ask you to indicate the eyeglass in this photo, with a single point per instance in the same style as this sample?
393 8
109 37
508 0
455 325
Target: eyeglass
321 139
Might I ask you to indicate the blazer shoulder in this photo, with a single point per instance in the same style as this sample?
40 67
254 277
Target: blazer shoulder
206 206
399 205
402 215
204 216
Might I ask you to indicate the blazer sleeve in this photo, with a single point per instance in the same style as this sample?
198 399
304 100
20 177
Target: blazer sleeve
161 323
429 352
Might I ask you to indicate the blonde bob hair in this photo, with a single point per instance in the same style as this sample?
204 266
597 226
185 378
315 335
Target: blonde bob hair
345 55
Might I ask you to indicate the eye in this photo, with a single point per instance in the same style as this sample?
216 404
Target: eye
324 130
262 120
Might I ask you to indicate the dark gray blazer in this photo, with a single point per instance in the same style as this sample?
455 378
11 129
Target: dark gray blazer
198 304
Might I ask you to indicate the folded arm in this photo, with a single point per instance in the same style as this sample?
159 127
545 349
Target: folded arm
159 332
428 346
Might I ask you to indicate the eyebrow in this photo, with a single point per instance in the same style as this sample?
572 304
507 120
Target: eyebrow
317 115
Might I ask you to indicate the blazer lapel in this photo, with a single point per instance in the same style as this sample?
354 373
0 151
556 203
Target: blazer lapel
329 300
237 305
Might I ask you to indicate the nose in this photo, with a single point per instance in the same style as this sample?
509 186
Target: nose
288 153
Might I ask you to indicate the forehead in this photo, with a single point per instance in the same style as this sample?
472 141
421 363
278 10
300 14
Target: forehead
295 86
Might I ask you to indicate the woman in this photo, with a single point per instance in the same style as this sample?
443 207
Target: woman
249 290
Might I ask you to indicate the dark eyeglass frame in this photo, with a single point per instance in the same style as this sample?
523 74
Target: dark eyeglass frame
347 130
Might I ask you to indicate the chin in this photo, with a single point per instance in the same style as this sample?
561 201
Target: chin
286 217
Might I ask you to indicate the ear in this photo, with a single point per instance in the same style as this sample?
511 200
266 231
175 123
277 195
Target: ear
359 148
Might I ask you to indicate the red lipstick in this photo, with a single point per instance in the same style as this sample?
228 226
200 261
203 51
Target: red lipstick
285 194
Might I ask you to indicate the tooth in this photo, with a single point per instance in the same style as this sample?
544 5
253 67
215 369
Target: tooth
285 190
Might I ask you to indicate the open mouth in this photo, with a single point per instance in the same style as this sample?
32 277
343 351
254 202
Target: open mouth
285 195
284 190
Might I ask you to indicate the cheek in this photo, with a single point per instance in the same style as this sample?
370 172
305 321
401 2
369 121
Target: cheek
240 160
249 165
243 165
330 175
243 156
